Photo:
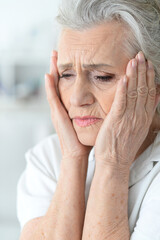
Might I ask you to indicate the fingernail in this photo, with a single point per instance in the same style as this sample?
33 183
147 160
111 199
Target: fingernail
136 57
134 63
141 57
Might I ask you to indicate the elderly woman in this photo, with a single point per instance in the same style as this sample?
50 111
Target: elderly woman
98 178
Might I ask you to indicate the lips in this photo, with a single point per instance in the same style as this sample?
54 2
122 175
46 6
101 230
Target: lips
86 121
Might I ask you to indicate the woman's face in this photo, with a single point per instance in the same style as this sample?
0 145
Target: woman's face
90 64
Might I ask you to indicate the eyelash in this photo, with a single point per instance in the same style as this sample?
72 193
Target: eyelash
99 78
104 78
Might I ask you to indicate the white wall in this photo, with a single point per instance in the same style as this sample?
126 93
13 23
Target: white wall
28 33
20 18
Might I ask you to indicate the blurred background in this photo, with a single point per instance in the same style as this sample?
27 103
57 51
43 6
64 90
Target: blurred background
28 33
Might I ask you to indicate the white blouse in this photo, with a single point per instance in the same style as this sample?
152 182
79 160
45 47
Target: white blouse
37 185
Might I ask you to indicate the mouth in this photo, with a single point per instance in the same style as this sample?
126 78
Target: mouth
84 122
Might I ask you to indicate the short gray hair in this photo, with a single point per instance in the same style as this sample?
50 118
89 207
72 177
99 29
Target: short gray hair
140 17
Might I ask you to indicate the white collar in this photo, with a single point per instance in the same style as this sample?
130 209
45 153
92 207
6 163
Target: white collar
143 164
91 155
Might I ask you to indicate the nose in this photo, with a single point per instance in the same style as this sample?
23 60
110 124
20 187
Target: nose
81 93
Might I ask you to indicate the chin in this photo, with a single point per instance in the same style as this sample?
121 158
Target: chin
87 136
86 140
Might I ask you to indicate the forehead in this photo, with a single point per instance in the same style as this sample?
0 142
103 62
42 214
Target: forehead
101 41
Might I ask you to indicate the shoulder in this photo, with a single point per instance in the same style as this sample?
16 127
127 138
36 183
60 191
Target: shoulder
153 191
45 155
48 143
147 225
153 178
37 183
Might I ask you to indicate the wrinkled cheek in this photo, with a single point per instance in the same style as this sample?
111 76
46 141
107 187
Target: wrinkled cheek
65 92
107 101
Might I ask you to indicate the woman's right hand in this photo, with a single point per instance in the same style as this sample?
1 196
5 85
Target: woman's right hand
70 145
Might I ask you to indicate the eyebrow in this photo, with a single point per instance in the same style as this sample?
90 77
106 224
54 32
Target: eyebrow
92 66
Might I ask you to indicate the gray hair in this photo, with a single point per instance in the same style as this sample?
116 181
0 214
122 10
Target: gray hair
139 17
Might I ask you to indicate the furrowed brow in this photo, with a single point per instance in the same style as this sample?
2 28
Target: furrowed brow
85 66
65 66
96 66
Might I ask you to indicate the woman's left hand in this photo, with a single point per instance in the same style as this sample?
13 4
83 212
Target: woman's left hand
127 124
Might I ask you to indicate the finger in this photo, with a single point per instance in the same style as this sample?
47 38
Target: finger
119 104
132 86
131 72
151 99
59 116
54 70
53 59
52 96
142 87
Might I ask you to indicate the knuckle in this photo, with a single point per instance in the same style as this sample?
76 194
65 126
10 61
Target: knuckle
142 91
132 94
152 92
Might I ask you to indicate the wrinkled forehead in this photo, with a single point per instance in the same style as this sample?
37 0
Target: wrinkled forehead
104 41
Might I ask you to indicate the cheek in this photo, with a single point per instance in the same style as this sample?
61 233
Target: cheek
65 92
106 99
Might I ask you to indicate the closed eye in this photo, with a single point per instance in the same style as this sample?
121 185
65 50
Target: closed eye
66 75
99 78
103 78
